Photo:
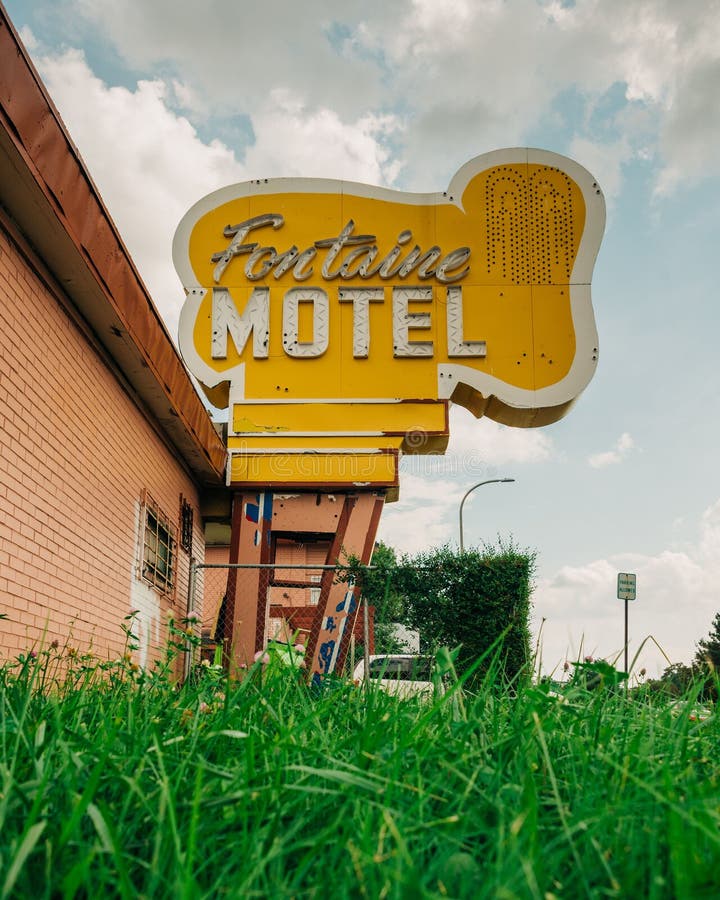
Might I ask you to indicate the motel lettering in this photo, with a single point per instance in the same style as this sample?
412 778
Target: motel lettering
408 322
361 261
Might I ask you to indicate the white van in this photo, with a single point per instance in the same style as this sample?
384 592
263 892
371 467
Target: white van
401 674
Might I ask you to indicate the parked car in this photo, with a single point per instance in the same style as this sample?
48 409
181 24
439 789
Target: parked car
696 712
401 674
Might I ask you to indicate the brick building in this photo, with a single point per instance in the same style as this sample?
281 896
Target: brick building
106 451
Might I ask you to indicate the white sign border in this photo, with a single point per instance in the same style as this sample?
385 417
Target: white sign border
449 374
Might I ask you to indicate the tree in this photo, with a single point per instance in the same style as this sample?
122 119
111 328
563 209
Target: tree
708 652
707 660
380 591
676 679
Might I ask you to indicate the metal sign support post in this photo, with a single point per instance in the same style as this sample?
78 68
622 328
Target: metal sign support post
366 638
626 638
626 590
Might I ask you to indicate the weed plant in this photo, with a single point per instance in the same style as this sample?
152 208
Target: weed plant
116 782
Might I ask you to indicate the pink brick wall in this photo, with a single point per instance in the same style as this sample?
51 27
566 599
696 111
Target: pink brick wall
212 584
76 454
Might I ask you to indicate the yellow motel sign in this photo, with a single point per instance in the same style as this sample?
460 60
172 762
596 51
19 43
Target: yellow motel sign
338 320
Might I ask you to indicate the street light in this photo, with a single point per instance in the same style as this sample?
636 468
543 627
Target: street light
462 502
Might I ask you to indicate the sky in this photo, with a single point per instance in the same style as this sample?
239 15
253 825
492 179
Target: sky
167 101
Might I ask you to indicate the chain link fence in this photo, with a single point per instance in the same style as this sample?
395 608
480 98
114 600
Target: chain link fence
245 606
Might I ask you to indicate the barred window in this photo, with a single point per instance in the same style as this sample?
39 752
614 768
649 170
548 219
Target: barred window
158 558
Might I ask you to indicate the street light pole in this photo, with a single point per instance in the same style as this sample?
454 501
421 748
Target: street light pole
462 502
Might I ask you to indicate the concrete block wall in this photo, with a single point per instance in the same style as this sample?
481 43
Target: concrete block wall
76 456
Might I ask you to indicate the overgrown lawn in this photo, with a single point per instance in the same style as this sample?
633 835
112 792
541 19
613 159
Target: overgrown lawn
116 783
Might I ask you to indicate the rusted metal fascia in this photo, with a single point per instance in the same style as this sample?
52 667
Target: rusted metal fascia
35 128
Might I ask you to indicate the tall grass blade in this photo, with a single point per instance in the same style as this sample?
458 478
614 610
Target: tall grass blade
27 845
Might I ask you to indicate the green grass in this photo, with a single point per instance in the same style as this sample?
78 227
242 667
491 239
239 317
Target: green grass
116 783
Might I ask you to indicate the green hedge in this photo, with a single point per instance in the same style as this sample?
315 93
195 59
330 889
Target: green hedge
479 600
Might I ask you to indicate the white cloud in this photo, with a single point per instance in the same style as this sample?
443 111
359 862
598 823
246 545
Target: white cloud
481 448
235 55
605 161
148 163
690 132
470 76
664 53
424 515
28 38
623 446
293 140
431 487
467 76
484 443
576 608
676 601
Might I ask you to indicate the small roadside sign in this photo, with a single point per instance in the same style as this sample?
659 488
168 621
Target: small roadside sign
626 586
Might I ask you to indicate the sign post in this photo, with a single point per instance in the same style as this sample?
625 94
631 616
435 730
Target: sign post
626 590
